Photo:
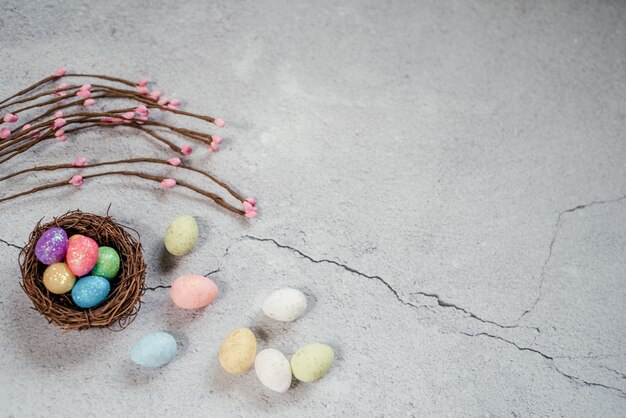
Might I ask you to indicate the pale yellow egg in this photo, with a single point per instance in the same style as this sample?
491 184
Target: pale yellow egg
311 362
238 351
181 235
58 278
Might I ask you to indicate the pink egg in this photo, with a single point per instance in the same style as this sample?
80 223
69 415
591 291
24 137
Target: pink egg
82 254
192 291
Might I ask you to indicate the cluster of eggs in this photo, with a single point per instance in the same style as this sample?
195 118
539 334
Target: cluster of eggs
308 364
77 265
238 352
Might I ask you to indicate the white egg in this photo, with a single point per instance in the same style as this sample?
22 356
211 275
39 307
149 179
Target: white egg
285 304
273 370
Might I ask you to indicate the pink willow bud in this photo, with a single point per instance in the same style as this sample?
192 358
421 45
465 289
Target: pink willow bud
142 111
80 162
168 183
5 133
58 123
10 118
76 181
84 94
249 208
186 150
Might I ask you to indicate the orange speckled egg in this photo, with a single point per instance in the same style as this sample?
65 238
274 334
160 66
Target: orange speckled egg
82 254
192 291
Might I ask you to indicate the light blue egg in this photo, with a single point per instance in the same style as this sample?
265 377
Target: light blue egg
154 350
90 291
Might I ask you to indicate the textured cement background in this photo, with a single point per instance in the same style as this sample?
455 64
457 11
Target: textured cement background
445 180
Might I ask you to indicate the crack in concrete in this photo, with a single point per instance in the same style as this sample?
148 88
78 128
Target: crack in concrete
557 227
10 244
217 270
162 286
617 372
438 299
440 302
572 378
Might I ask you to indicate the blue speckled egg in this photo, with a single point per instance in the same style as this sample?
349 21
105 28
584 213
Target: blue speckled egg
51 246
154 350
90 291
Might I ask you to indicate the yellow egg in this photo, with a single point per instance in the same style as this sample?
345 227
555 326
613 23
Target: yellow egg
58 278
238 351
181 235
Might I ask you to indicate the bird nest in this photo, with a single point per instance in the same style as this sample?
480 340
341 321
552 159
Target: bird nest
123 302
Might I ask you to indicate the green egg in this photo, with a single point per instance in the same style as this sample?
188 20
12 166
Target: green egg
311 362
108 264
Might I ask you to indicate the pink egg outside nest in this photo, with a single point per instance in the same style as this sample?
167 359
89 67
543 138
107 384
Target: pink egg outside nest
82 254
192 291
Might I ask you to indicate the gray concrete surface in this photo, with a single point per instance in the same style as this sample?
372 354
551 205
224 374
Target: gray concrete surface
445 180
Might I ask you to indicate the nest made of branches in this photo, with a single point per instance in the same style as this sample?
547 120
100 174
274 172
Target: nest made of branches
123 302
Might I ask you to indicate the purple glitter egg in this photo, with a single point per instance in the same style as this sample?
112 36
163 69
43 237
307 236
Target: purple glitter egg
51 246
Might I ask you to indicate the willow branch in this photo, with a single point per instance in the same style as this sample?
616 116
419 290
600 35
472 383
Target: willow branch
28 89
127 161
217 199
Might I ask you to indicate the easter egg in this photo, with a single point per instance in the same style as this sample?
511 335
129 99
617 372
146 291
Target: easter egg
90 291
311 362
51 246
238 351
285 304
154 350
82 254
192 291
108 263
273 370
58 278
181 235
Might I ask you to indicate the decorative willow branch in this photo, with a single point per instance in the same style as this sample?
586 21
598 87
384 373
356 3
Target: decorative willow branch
55 113
175 162
217 199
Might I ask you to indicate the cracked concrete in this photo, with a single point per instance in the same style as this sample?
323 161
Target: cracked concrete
412 162
547 357
9 244
442 303
553 240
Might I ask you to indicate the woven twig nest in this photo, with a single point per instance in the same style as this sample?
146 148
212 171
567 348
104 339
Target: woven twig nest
123 302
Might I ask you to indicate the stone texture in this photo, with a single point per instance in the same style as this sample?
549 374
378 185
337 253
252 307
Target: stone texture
444 181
